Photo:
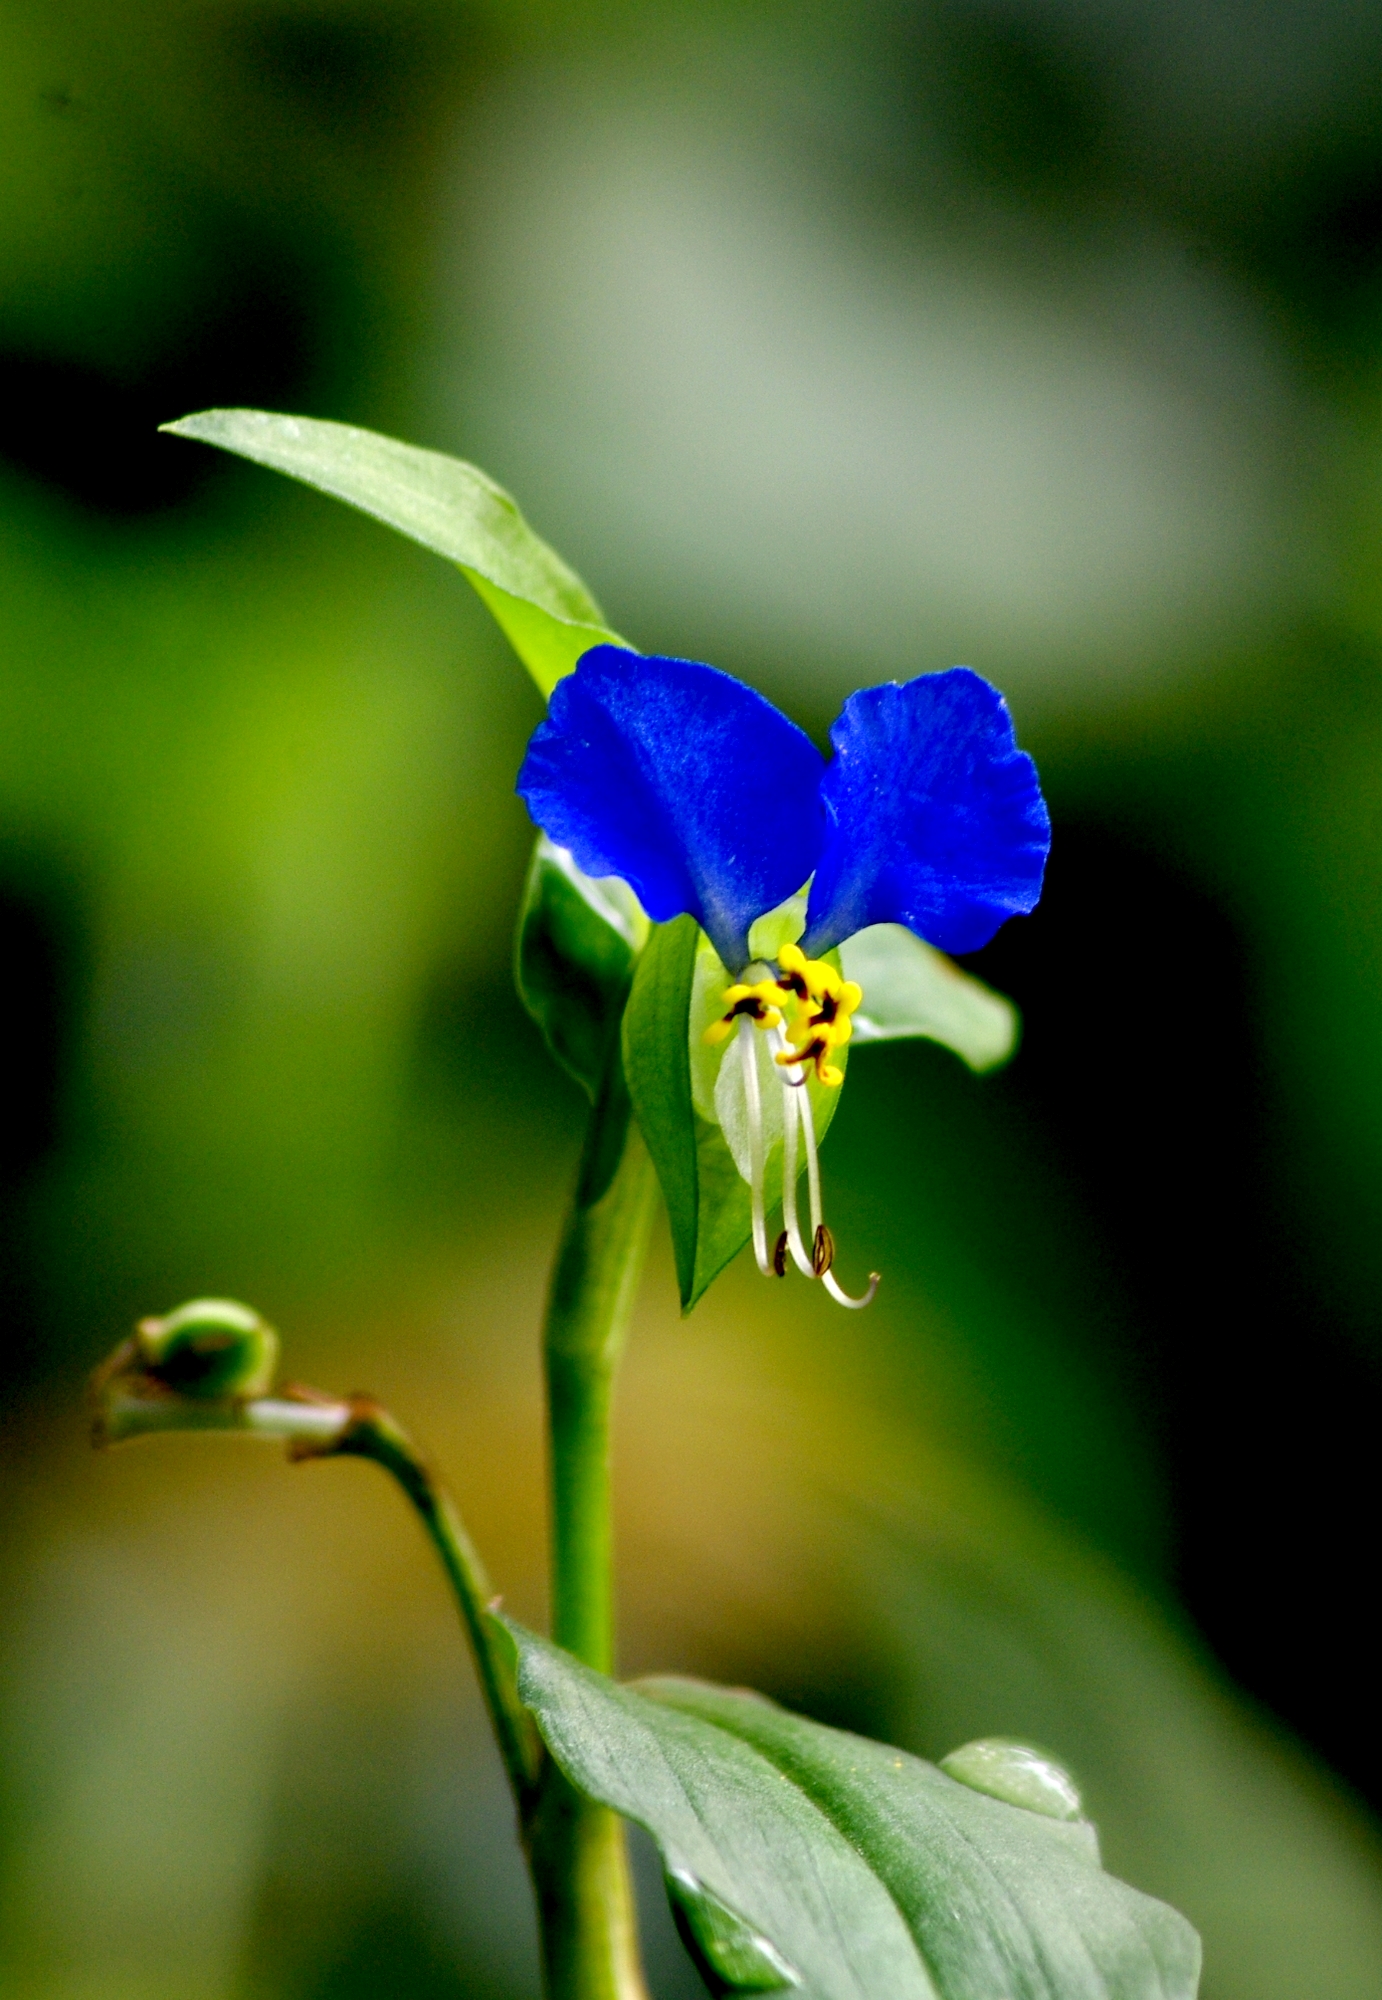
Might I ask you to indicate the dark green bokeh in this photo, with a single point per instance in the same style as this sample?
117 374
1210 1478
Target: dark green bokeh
828 343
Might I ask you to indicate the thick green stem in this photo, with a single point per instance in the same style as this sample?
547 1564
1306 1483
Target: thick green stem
585 1905
593 1287
576 1849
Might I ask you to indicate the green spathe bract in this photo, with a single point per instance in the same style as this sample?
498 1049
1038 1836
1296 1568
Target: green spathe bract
866 1873
665 1059
672 1075
573 960
548 615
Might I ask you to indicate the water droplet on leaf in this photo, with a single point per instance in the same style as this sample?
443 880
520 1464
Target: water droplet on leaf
731 1955
1017 1774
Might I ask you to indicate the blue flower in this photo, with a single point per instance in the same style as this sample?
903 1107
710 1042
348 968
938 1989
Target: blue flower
707 801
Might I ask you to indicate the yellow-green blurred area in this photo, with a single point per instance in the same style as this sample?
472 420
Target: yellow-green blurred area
831 343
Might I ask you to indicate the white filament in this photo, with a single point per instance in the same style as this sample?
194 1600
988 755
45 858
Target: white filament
813 1165
843 1298
813 1178
792 1086
753 1107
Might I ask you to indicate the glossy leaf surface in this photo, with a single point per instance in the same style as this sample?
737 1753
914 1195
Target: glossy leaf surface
573 959
548 615
846 1870
677 1085
912 989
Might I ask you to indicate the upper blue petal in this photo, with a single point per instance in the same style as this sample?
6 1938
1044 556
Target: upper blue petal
701 794
934 817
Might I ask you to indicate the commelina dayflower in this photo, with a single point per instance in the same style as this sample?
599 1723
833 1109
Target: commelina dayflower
708 801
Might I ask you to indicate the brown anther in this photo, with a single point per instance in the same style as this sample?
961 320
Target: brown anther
814 1054
780 1255
822 1251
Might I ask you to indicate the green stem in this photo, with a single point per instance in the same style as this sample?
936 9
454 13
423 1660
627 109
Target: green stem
598 1268
131 1403
576 1849
373 1433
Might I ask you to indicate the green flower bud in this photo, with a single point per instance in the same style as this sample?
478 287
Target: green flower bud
209 1350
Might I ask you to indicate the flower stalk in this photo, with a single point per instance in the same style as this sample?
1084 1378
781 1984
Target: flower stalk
576 1849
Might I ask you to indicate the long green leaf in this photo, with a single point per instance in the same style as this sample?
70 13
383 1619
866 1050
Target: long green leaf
548 615
910 988
802 1857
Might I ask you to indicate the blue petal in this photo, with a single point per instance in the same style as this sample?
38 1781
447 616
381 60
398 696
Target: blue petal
682 780
934 817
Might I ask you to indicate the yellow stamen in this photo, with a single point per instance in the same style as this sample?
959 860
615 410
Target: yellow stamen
818 1001
822 1002
752 1002
806 978
816 1051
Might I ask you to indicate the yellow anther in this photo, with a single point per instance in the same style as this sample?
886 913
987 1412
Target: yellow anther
815 1053
819 1000
804 978
757 1002
822 1002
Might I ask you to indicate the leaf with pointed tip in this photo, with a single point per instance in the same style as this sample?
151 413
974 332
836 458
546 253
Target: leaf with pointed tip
546 612
806 1858
687 1115
910 988
573 959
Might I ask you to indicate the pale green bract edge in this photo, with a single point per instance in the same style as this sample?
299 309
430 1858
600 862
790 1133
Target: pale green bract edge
842 1869
452 508
911 989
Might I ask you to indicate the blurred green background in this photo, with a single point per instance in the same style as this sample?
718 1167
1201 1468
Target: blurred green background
830 342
